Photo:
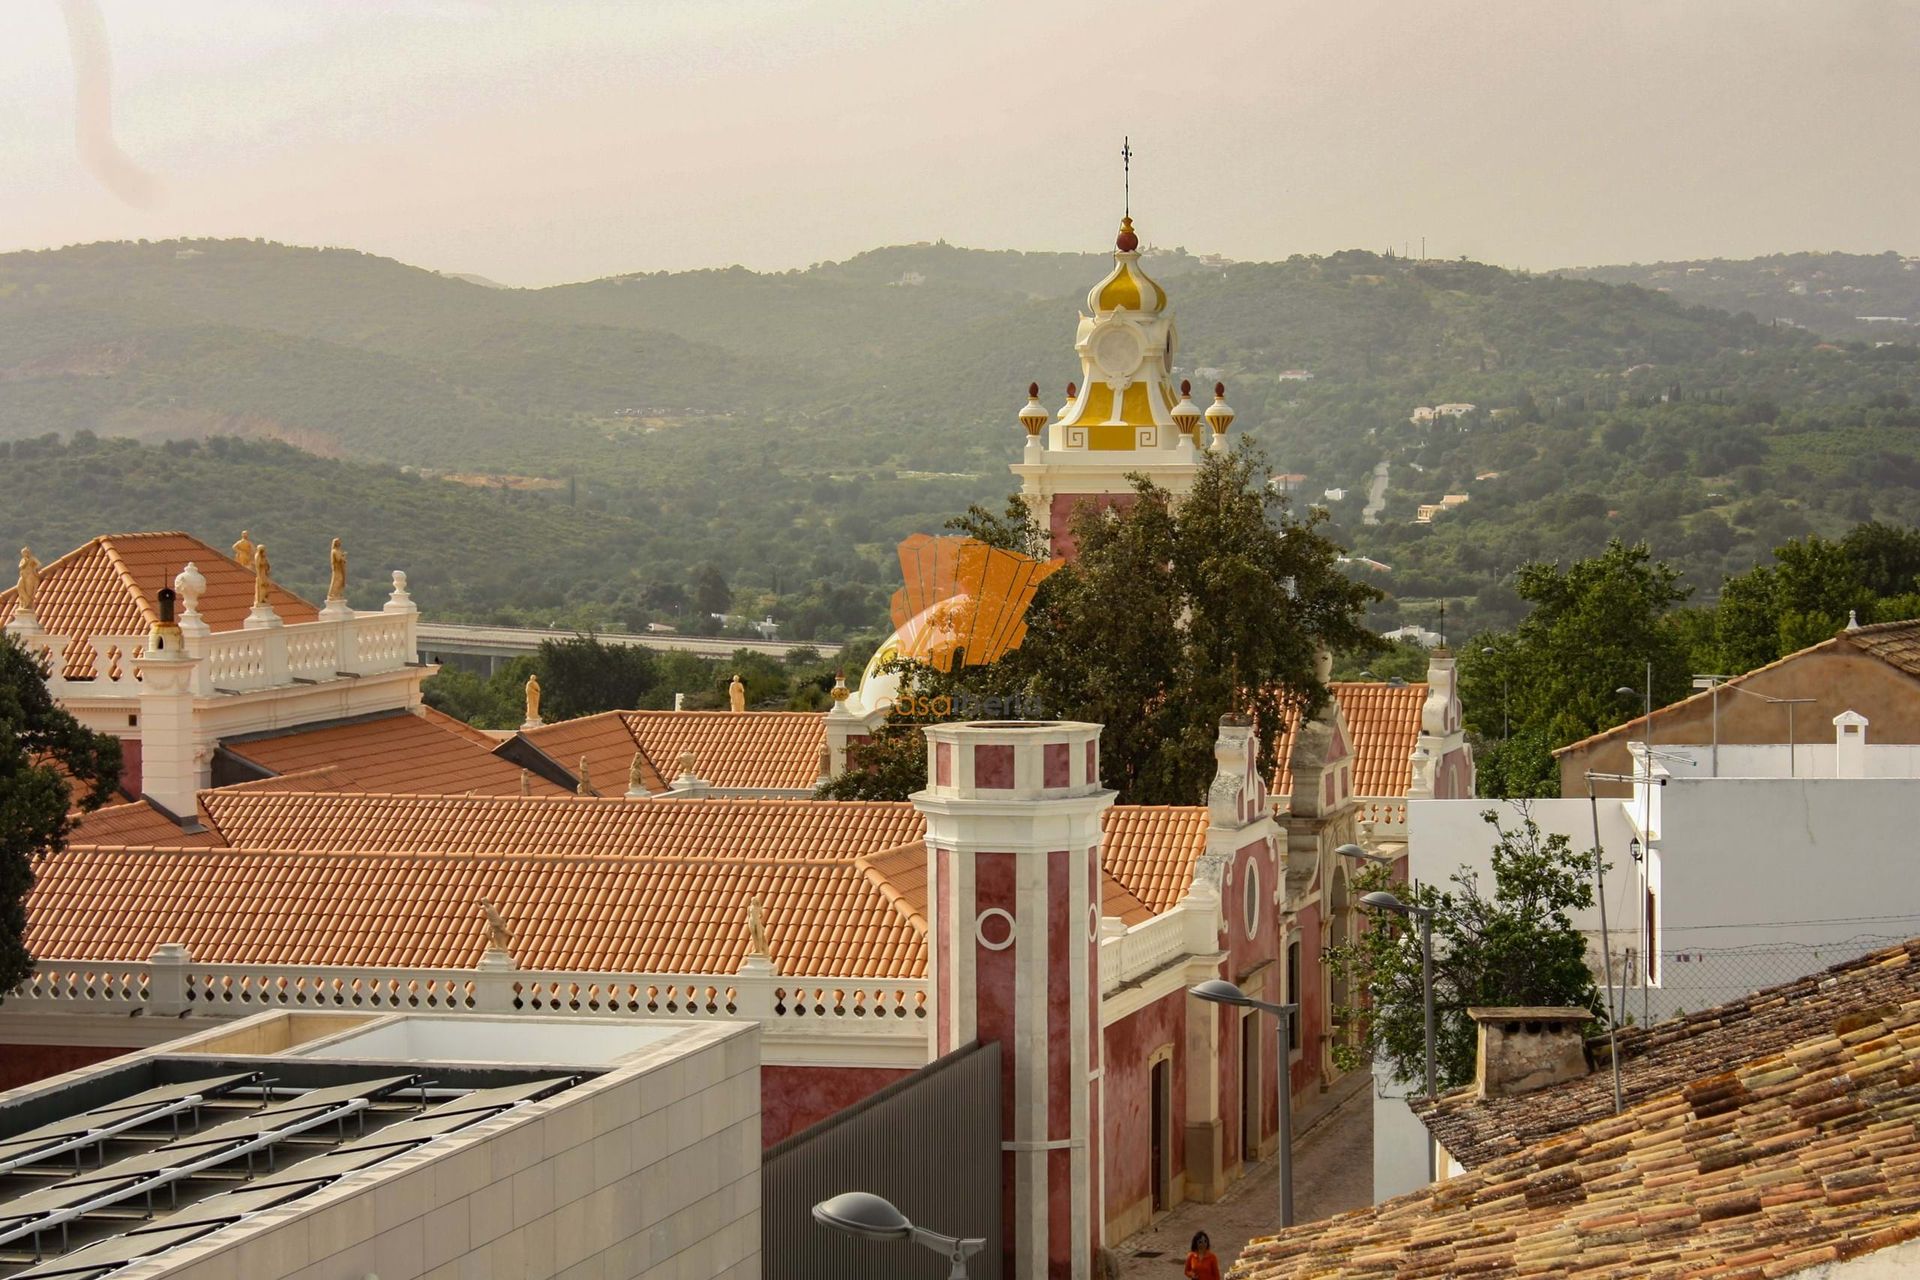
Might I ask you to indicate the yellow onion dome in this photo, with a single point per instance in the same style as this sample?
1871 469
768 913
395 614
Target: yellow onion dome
1127 287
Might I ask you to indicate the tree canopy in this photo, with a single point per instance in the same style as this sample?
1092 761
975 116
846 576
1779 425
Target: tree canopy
50 766
1515 946
1173 614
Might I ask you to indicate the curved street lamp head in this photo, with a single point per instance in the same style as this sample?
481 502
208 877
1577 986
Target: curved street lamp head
1381 900
1627 691
1220 991
861 1213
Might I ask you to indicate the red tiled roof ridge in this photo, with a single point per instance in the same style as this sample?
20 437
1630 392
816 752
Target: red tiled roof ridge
128 581
886 888
413 855
800 802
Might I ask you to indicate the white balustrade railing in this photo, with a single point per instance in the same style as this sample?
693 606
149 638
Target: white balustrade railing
313 650
1386 817
238 661
235 660
164 987
1190 928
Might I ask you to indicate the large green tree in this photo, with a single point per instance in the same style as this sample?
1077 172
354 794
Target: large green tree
1173 614
50 767
1594 627
1514 946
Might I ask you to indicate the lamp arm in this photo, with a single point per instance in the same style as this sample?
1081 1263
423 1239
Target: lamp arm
955 1249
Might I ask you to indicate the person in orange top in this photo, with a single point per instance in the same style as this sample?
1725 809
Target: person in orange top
1201 1264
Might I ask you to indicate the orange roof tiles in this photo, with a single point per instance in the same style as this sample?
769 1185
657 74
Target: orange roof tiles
107 587
1151 850
137 823
772 829
607 744
749 750
396 751
1764 1164
1384 721
601 913
774 750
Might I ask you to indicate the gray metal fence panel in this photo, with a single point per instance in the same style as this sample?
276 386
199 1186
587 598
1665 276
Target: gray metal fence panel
929 1143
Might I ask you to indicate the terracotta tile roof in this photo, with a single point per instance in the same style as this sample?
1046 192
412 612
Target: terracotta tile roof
1117 900
1668 1054
759 749
601 913
137 823
1384 720
107 587
771 829
606 742
1895 643
1151 850
1802 1153
396 751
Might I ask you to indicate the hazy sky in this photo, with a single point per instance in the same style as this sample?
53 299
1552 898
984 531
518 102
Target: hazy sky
560 139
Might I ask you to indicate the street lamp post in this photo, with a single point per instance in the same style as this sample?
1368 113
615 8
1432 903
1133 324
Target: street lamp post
860 1213
1220 991
1383 901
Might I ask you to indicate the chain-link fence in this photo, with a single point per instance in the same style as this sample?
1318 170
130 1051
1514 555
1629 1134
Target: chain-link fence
1694 978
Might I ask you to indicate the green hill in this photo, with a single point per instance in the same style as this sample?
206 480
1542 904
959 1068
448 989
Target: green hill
785 429
1829 293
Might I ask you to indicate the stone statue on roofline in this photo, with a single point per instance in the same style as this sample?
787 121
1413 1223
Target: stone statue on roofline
499 936
586 779
243 551
262 583
756 932
29 585
636 775
337 572
533 700
737 693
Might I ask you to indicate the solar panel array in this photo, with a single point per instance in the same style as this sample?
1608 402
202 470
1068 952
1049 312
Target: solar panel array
86 1195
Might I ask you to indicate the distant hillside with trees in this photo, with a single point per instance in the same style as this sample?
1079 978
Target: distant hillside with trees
620 451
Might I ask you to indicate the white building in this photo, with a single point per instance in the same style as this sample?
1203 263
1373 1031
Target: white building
1736 868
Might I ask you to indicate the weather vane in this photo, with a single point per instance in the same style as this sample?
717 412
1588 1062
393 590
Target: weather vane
1126 177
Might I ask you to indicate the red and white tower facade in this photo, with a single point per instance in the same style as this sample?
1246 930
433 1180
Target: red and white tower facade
1123 416
1013 814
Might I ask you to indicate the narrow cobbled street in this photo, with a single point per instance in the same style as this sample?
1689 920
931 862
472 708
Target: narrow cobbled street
1332 1172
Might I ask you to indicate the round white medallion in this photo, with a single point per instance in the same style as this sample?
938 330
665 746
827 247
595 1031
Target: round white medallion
998 914
1117 350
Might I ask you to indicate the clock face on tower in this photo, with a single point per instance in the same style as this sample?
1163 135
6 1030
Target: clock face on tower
1117 351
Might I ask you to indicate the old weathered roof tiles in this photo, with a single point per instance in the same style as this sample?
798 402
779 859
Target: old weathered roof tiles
1770 1159
1151 850
1669 1054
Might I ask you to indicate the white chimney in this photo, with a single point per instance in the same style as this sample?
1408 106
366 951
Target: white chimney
1849 745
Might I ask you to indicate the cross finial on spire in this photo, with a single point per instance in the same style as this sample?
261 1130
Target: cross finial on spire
1126 177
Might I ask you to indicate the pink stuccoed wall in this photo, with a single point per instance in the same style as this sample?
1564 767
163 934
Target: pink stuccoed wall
795 1098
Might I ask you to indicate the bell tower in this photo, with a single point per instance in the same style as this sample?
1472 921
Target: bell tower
1123 415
